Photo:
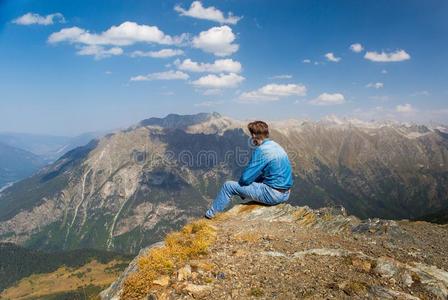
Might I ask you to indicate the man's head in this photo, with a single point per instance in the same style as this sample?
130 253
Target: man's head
259 131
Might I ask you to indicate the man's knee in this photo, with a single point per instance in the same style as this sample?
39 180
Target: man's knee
230 185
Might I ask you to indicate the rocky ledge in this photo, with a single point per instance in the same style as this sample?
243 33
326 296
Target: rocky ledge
286 252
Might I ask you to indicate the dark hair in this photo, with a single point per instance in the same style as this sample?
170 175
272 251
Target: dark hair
259 129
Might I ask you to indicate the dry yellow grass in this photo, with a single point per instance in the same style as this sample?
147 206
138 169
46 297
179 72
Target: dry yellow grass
327 217
221 217
249 207
62 280
304 217
250 237
202 265
191 242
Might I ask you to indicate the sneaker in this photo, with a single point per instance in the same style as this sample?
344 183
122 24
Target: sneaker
209 215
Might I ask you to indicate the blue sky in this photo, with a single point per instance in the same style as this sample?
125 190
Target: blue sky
68 67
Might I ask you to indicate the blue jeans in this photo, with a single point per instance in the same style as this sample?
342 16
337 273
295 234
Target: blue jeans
256 191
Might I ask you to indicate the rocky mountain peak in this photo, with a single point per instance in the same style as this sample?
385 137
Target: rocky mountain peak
408 127
175 121
206 123
286 252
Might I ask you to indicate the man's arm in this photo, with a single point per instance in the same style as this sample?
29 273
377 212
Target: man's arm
254 169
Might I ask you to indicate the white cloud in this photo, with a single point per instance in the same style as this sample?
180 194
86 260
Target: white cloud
273 92
216 40
218 66
219 81
330 57
163 53
211 13
329 99
32 18
285 76
398 55
125 34
357 47
168 75
383 71
99 52
405 108
306 61
376 85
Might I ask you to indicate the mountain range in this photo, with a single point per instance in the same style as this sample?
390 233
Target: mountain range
16 163
48 147
127 189
22 154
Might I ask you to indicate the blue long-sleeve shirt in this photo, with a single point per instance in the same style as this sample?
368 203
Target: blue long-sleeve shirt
270 165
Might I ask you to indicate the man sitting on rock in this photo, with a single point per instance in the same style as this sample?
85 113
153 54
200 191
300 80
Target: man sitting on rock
267 178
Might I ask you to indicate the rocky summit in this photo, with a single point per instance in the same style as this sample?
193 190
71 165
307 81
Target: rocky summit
286 252
126 190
